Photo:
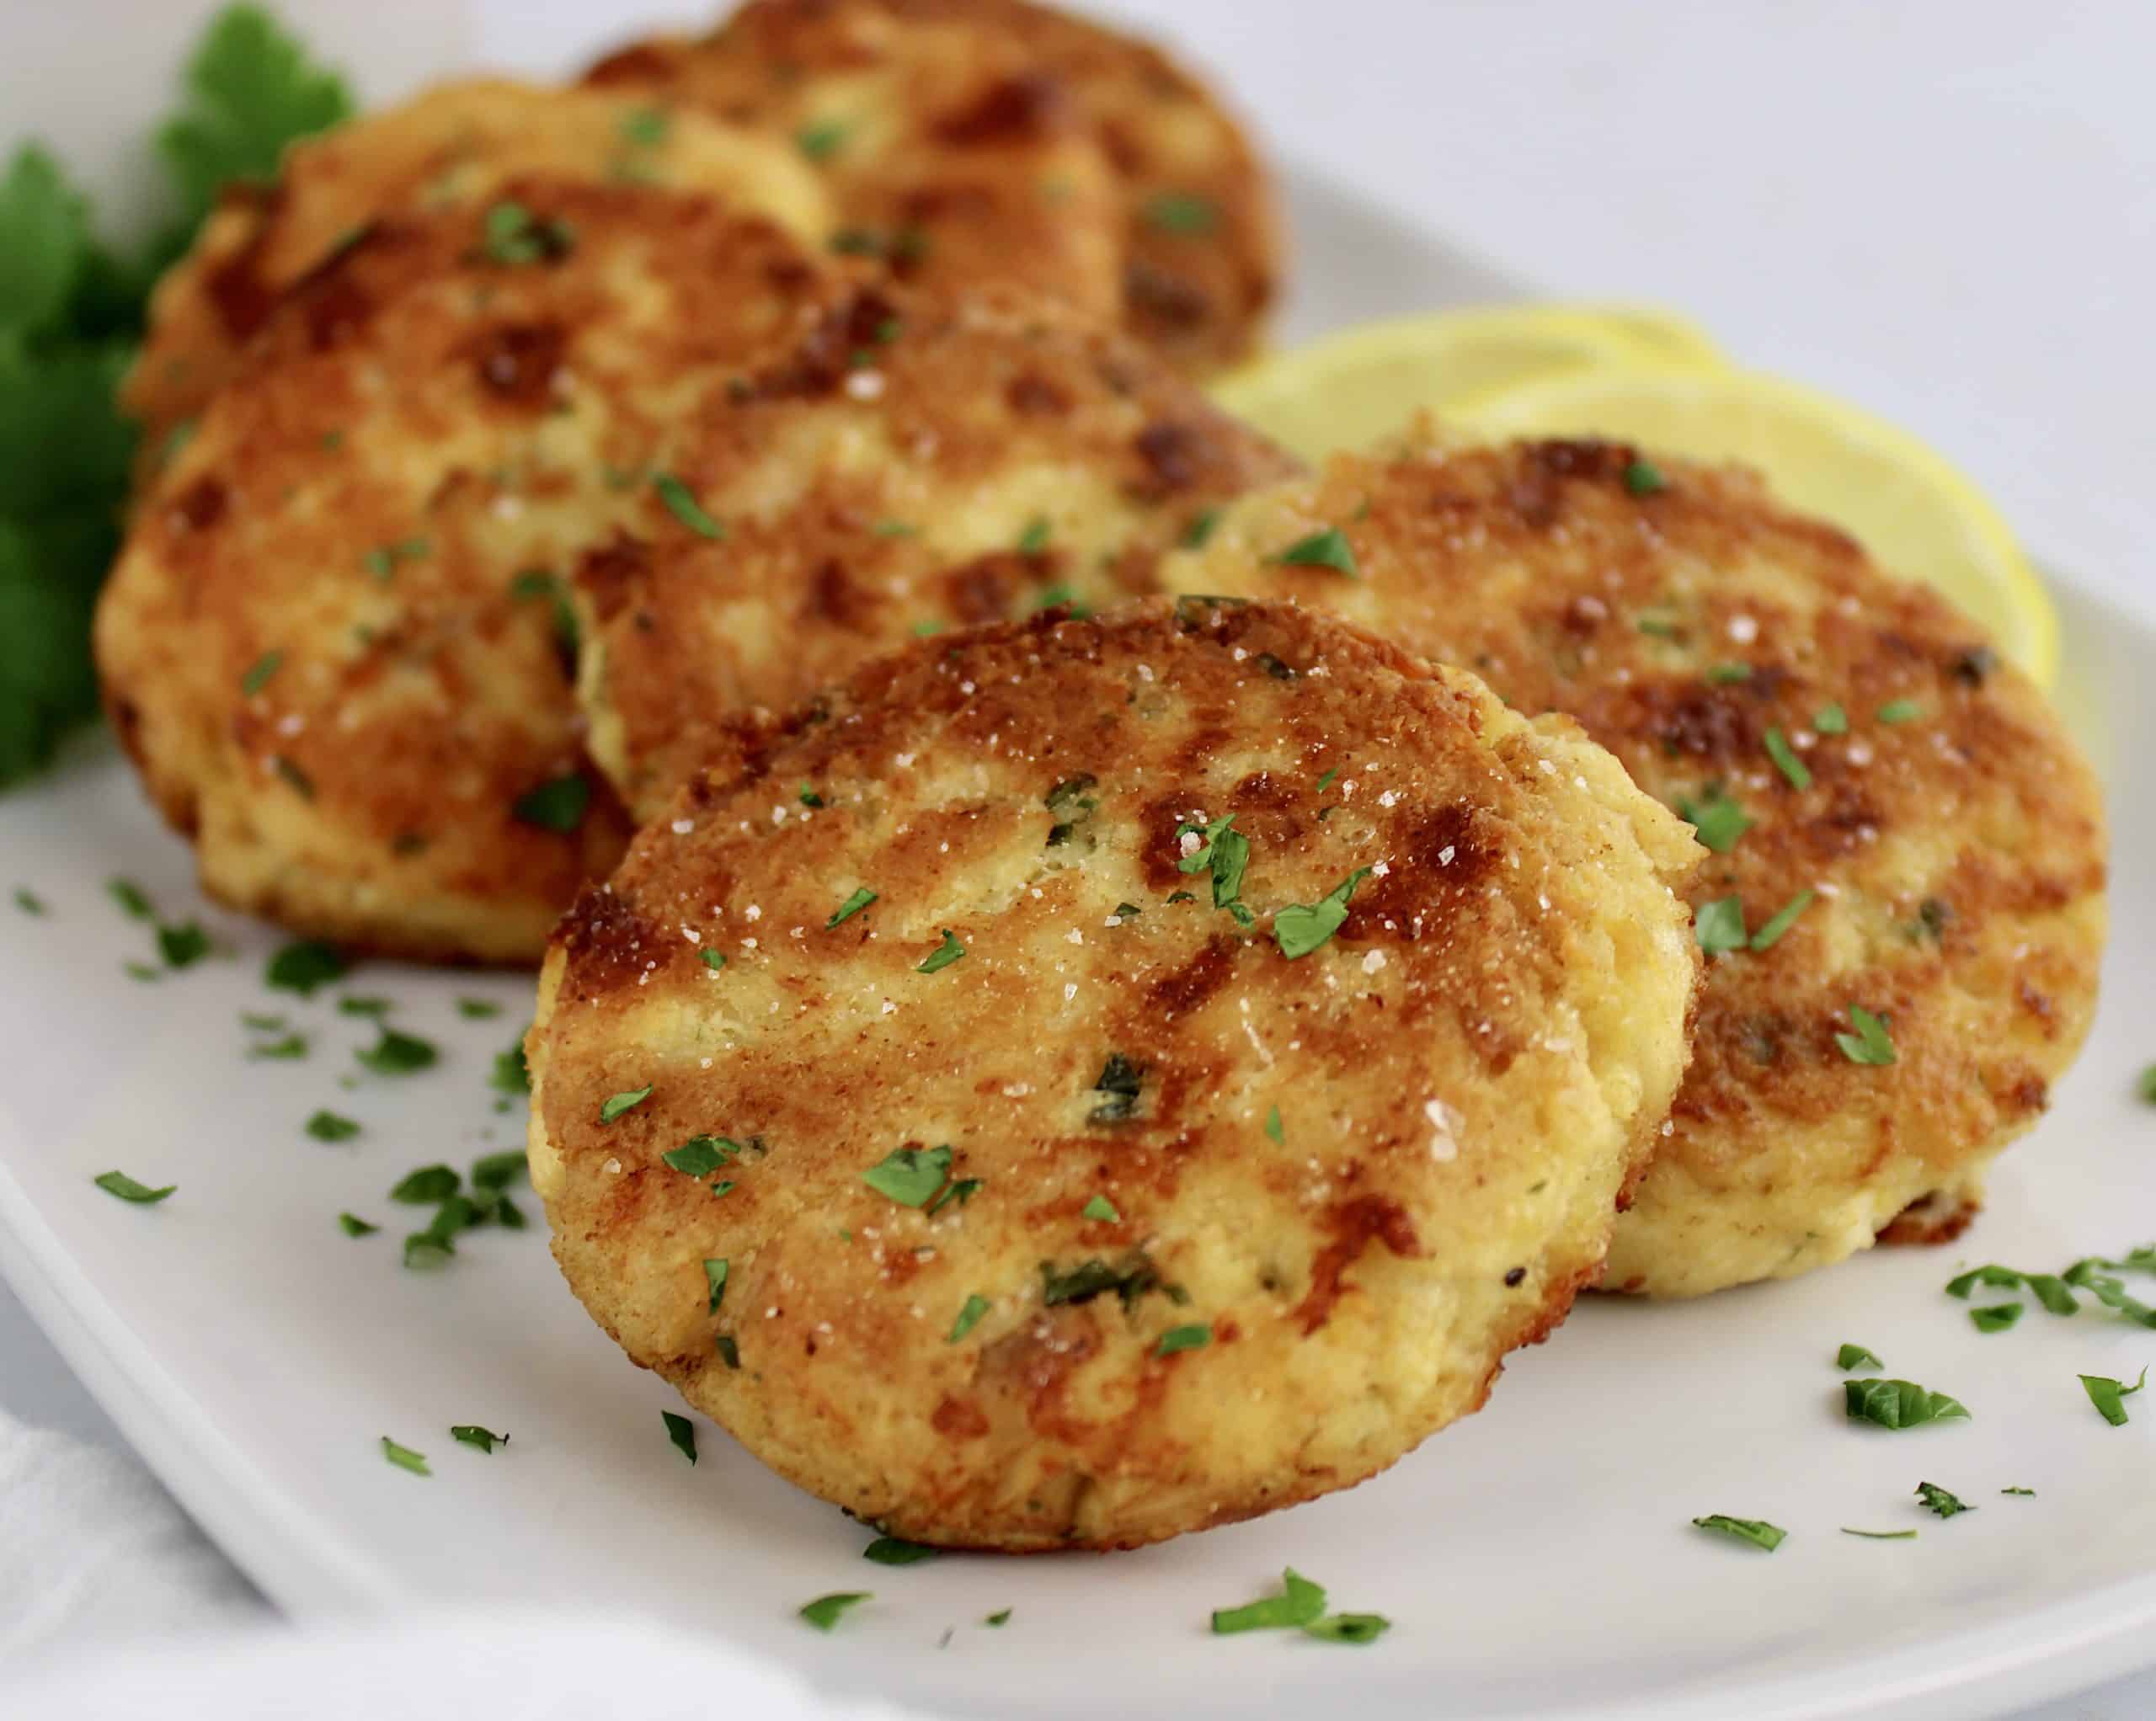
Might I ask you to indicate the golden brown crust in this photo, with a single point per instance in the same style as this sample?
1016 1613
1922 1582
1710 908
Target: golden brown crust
1957 857
1016 144
454 146
906 464
1367 1171
333 641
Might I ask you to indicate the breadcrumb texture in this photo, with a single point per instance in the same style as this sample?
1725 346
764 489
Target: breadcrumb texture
1465 1076
972 140
337 641
907 465
453 147
1950 830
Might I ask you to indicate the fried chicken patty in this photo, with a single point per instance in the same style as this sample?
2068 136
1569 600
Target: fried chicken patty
907 464
1900 825
993 140
337 641
1087 1080
455 145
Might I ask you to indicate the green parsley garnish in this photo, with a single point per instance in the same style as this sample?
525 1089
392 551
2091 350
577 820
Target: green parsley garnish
703 1155
471 1434
1722 674
2028 1492
1300 928
292 1046
1870 1043
681 503
1328 548
962 1191
259 672
1659 623
382 562
1857 1356
1000 1617
626 1101
729 1352
825 1611
1716 820
1349 1627
183 946
354 1226
1300 1603
1882 1534
1756 1531
1899 1403
1034 538
328 1127
1090 1278
1939 1501
889 1550
511 234
1995 1318
539 582
1183 213
712 959
27 901
1783 918
1189 1338
258 1023
354 1005
1224 851
430 1183
896 529
1274 1128
556 805
1644 478
1900 710
404 1457
970 1316
511 1073
942 956
493 1173
1831 720
1787 761
819 140
2110 1396
133 901
397 1054
477 1010
1122 1082
1102 1208
910 1176
851 906
2050 1290
1719 926
1200 528
127 1189
682 1432
715 1272
808 797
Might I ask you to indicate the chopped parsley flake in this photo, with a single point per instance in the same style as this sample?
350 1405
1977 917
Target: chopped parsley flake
626 1101
1900 710
942 956
1122 1082
430 1183
889 1550
494 1172
1870 1043
328 1127
896 529
1327 780
1715 819
1644 478
2110 1396
1787 761
2052 1292
1224 851
820 139
1831 720
911 1176
1882 1534
292 1046
1719 926
715 1272
556 805
703 1155
826 1611
511 1073
2027 1492
404 1457
397 1054
809 797
1034 538
1185 214
477 1010
359 1006
183 946
1329 548
539 582
648 126
1101 1207
681 503
1300 928
1659 623
712 959
1300 1603
127 1189
729 1352
1091 1278
1274 1128
1722 674
1857 1356
353 1225
27 901
471 1435
970 1316
1995 1318
511 234
1200 528
259 672
382 562
1349 1627
682 1432
964 1190
1938 1501
1188 1338
133 903
1899 1403
1756 1531
1000 1617
850 906
1783 918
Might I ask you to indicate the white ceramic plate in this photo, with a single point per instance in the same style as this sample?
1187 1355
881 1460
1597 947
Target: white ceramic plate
1537 1560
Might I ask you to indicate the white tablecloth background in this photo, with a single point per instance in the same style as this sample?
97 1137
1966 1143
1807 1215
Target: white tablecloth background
1945 209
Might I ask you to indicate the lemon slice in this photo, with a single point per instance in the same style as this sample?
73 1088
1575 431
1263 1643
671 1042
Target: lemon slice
1349 389
1917 515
